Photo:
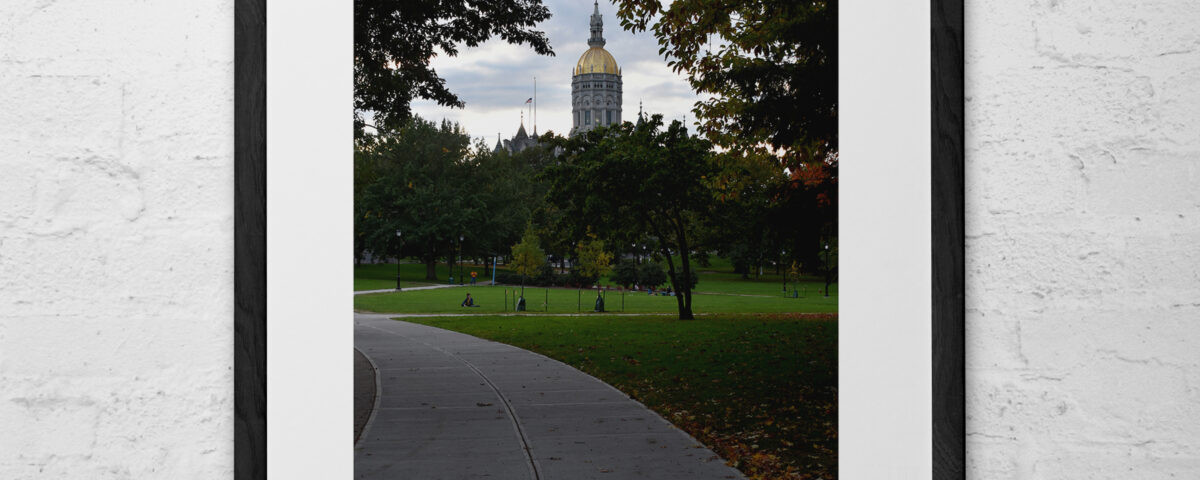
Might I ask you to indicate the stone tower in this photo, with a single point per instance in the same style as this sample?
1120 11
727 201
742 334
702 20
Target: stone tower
595 83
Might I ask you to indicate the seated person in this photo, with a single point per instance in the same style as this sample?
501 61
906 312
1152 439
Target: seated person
468 302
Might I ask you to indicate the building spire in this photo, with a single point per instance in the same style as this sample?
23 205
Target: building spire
597 38
521 135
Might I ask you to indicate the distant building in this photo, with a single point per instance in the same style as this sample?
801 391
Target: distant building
595 91
595 83
518 142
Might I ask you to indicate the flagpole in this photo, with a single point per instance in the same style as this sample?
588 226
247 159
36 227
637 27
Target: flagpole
535 104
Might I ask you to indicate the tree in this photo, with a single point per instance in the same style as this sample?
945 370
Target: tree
625 273
744 226
528 256
412 181
811 196
395 41
505 190
771 72
638 180
770 69
428 181
651 274
593 260
829 262
793 273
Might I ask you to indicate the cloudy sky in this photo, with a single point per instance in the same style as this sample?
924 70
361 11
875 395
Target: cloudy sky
495 78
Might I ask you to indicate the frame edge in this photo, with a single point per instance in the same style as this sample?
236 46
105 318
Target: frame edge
949 272
250 240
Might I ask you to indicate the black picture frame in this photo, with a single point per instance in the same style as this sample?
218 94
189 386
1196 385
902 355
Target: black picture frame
250 240
947 239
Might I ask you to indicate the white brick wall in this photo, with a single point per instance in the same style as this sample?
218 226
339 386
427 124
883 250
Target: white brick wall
1083 239
116 224
1083 196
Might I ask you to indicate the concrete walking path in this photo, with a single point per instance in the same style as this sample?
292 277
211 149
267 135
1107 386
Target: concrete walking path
453 406
426 287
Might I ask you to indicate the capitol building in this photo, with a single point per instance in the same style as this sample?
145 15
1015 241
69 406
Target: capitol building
595 83
595 91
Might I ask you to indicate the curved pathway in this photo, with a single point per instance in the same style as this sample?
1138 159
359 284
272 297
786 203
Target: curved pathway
408 289
454 406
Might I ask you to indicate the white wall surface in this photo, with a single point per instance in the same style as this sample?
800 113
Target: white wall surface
884 333
116 230
1083 201
1083 239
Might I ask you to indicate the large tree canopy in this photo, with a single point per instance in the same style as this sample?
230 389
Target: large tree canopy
394 41
411 182
770 66
429 182
637 181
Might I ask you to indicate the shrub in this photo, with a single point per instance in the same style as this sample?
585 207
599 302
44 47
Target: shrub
694 280
576 278
510 278
625 273
546 277
651 274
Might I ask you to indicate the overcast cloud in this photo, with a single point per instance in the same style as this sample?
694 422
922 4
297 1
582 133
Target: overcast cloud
495 78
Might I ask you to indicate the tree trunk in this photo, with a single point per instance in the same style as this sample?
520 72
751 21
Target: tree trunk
685 306
431 268
685 311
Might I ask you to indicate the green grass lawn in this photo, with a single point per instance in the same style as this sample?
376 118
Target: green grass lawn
728 282
491 299
383 275
718 291
761 390
718 277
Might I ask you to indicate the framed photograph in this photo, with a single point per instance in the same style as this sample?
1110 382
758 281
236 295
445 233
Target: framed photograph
615 239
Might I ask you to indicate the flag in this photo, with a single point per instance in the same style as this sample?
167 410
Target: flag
530 100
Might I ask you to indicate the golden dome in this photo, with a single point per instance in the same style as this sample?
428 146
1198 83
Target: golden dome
597 60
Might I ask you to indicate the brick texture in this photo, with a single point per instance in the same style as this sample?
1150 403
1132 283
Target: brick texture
116 231
1083 239
116 239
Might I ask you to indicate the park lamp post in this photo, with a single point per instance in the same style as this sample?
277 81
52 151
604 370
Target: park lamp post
398 235
782 254
828 269
460 269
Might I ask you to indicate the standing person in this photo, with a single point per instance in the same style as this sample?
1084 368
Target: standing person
473 274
